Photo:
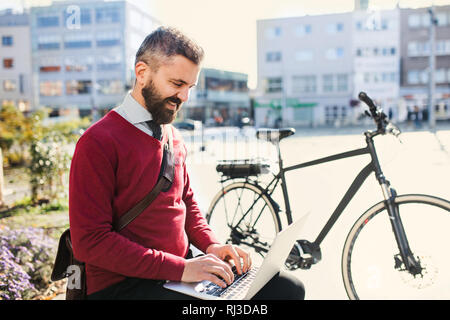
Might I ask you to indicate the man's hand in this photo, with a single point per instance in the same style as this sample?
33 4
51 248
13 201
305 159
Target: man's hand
229 252
214 265
207 267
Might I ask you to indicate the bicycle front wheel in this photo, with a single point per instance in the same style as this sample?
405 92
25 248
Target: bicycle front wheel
242 214
371 264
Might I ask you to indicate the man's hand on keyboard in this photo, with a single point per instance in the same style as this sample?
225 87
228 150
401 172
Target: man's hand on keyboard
208 267
233 253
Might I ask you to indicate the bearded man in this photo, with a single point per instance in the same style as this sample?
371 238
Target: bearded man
117 162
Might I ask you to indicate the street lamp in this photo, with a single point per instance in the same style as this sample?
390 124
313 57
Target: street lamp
432 63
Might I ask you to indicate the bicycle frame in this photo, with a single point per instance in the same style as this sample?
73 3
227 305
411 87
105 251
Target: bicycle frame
374 166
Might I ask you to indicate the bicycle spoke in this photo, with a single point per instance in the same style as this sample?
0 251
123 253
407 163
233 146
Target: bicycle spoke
250 218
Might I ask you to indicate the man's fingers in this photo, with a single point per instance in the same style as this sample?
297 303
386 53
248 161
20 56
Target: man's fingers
219 267
214 279
218 271
235 256
247 262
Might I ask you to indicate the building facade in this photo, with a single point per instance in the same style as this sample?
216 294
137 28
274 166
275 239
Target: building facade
304 70
220 98
83 54
311 68
415 52
15 58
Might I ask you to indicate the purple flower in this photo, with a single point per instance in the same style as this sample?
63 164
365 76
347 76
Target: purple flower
24 254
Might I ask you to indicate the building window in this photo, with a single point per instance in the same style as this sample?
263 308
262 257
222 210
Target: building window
274 56
440 76
414 21
217 84
418 77
49 64
413 77
342 82
78 63
108 38
441 18
48 42
304 84
44 69
8 63
416 49
7 41
327 83
78 40
274 85
110 87
107 15
425 20
74 87
50 88
333 28
49 21
332 113
109 63
303 30
334 53
273 32
9 85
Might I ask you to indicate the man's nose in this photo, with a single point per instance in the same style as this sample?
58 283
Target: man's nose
183 95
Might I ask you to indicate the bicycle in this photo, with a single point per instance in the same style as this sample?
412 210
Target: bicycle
414 258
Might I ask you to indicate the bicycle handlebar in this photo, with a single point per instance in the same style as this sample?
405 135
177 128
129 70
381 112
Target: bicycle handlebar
366 99
377 114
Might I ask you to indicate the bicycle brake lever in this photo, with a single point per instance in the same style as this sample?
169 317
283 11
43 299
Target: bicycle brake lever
393 129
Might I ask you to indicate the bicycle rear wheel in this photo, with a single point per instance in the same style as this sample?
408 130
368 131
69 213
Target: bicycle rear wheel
242 214
371 263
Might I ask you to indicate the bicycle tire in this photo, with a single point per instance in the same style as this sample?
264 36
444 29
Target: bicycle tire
416 211
224 205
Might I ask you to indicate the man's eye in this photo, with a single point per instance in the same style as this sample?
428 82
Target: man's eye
177 84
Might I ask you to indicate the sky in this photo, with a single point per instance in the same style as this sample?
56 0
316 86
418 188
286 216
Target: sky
226 29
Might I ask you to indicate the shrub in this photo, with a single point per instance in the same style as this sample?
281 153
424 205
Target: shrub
49 162
26 261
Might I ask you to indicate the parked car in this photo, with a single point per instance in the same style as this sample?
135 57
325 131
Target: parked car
188 124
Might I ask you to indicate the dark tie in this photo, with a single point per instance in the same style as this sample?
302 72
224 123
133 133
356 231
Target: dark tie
156 129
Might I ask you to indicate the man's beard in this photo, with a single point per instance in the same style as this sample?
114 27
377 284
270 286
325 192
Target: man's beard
156 105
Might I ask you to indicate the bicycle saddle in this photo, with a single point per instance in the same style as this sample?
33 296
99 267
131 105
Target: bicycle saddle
274 135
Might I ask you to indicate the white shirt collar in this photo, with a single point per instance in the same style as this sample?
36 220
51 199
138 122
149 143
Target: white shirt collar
134 111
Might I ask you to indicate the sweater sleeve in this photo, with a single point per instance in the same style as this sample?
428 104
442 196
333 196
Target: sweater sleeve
91 191
197 228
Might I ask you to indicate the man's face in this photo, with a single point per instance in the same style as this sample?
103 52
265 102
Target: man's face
168 88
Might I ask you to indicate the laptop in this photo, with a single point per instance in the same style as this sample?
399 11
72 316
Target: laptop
247 285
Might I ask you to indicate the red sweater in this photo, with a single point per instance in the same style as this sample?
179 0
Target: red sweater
114 166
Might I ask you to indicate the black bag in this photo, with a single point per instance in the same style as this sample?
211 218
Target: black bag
66 265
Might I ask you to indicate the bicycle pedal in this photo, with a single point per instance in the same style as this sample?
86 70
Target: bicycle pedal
311 253
303 255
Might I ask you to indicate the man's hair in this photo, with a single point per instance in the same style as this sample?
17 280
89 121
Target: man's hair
165 43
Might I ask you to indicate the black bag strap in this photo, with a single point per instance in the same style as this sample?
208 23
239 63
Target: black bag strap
164 183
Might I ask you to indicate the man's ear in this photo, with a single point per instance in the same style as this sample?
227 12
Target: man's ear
141 70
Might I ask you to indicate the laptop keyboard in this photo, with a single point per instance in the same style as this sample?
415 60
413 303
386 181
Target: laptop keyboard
240 283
